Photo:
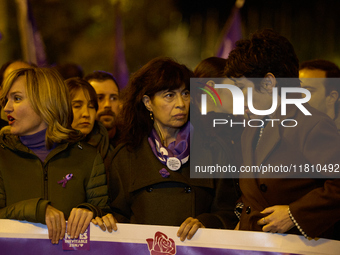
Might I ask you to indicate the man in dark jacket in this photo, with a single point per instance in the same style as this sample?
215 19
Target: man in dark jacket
107 91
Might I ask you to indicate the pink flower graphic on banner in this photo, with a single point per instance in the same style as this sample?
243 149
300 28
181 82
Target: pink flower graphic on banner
161 245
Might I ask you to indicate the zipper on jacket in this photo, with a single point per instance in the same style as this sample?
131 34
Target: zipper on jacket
45 184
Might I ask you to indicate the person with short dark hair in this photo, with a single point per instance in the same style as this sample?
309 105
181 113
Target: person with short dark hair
210 67
101 76
284 204
325 92
108 92
69 70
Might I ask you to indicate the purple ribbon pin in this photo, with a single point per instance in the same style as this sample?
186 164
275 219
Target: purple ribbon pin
65 179
164 173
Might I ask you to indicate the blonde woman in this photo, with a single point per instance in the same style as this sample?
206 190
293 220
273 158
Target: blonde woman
46 174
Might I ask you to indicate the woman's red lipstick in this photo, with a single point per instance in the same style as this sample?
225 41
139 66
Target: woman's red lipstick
10 119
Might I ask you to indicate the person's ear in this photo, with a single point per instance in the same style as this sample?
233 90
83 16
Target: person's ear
269 82
147 102
333 97
211 83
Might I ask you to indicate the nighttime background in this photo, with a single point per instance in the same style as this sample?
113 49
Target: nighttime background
84 31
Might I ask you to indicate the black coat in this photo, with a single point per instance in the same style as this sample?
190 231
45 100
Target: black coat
143 196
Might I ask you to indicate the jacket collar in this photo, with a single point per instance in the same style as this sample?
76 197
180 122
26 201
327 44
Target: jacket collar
61 147
147 171
13 143
99 138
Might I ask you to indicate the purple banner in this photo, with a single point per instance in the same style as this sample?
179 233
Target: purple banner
14 246
20 237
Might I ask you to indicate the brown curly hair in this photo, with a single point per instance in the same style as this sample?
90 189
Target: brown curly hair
265 52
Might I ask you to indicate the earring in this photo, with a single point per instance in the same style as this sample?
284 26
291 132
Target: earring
151 115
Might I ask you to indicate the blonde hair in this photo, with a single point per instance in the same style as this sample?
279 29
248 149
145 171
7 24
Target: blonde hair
49 98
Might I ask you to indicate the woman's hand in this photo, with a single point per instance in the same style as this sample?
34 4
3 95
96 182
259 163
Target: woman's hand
56 224
278 220
106 222
78 221
189 228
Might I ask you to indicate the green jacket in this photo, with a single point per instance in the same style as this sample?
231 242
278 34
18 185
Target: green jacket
28 185
99 138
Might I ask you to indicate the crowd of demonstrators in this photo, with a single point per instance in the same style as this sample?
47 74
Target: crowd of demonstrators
325 92
92 154
285 205
107 91
71 182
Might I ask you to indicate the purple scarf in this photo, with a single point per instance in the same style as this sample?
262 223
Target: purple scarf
177 152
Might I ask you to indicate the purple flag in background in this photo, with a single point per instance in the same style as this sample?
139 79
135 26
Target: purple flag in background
120 70
31 42
232 31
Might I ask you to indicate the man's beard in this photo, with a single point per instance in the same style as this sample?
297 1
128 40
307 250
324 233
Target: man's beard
108 113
